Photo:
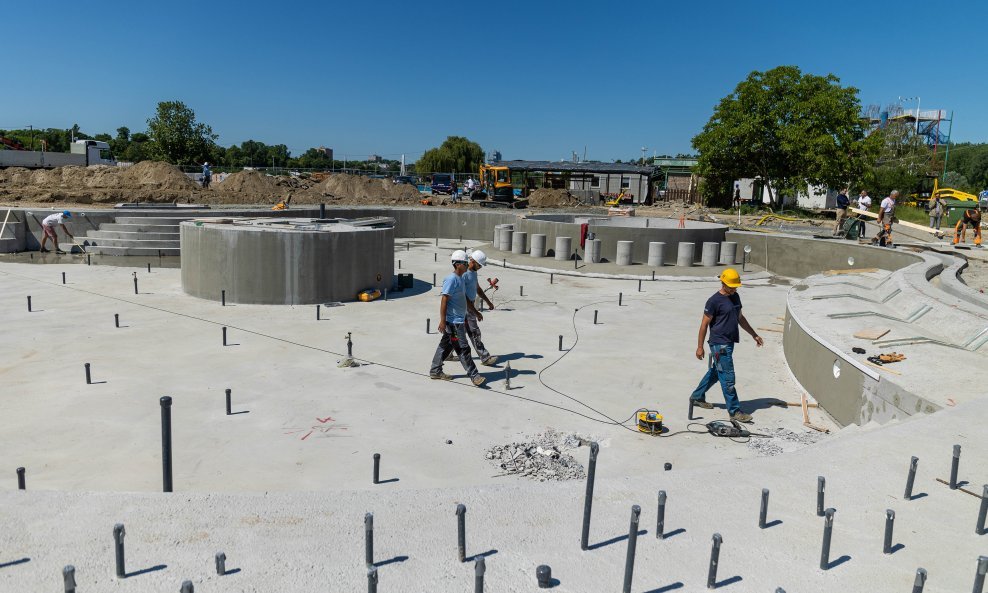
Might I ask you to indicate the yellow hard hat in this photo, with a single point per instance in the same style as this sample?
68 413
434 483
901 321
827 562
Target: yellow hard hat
731 278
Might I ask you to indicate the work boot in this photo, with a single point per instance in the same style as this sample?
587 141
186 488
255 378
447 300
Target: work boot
702 403
59 252
742 417
489 361
441 376
478 380
43 250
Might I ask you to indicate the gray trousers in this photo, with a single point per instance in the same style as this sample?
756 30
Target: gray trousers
454 339
473 331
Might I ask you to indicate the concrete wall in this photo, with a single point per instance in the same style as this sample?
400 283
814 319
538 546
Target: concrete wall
264 266
612 230
14 234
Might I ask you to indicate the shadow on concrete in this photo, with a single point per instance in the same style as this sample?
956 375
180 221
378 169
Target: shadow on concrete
97 382
838 561
388 481
516 356
146 570
672 587
726 582
231 571
15 562
761 403
673 532
240 412
418 287
896 548
481 555
394 560
615 540
920 495
773 523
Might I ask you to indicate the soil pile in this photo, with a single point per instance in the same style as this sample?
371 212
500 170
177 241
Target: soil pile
542 457
153 174
354 189
257 183
552 198
145 181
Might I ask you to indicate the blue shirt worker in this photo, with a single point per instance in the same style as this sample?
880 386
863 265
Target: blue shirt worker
207 175
843 203
452 324
722 316
477 260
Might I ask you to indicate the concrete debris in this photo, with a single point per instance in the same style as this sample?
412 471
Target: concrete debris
543 457
781 440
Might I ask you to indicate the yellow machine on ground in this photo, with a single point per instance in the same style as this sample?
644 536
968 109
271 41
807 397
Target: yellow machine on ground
495 188
949 193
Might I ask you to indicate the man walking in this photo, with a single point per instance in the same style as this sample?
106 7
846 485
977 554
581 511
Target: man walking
452 324
48 230
477 260
722 316
843 203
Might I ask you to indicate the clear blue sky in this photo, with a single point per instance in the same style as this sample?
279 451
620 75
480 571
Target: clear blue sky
534 79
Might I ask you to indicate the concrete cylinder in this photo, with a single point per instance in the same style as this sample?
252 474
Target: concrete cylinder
506 237
684 256
538 246
711 253
593 251
728 253
519 242
656 254
624 249
564 248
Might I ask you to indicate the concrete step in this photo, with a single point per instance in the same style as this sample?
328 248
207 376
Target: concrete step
156 244
143 251
132 235
151 220
139 228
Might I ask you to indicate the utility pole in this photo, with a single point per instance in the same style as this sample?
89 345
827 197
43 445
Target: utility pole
644 150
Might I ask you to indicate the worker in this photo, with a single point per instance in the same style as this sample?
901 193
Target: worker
937 207
843 203
971 218
452 324
886 216
864 203
207 175
478 259
48 229
722 316
470 185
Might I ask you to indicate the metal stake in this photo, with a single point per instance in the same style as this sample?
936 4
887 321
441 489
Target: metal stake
595 316
428 323
979 577
166 444
479 568
653 275
543 574
89 260
588 498
372 580
377 468
224 336
982 512
550 278
229 403
118 547
433 279
318 312
920 581
149 267
889 523
560 343
620 298
29 303
20 479
521 291
63 277
116 319
639 286
322 211
220 563
89 378
399 264
507 375
913 463
461 531
763 512
954 464
660 522
828 530
821 484
68 575
187 587
369 540
135 283
629 562
223 298
349 345
714 558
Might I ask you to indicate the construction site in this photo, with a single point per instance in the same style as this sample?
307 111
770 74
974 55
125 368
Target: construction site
229 390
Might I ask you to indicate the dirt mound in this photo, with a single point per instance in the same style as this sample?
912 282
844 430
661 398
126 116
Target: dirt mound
155 174
354 189
552 198
143 175
542 457
255 182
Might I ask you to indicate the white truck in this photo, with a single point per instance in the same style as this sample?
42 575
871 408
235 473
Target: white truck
82 153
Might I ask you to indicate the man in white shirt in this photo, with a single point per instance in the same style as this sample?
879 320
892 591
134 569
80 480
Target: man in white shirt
48 229
864 203
886 216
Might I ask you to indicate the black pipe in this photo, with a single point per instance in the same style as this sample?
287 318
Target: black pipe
21 483
369 540
629 562
763 512
821 484
89 378
479 568
461 532
588 497
68 576
954 465
118 547
166 444
983 512
322 211
660 521
223 298
116 319
714 560
920 581
889 523
828 530
377 468
224 336
229 403
29 303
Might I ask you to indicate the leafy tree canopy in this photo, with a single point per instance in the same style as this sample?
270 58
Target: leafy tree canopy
176 136
456 154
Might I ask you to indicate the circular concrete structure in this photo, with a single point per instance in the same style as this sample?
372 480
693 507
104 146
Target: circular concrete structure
286 261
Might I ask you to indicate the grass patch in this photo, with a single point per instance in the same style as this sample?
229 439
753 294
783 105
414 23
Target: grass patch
912 214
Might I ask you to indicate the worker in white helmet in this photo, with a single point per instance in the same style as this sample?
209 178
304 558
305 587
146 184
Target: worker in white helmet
478 259
452 324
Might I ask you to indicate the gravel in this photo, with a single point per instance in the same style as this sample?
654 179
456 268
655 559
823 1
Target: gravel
543 457
781 440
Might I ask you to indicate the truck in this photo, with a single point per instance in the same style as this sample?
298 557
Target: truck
82 153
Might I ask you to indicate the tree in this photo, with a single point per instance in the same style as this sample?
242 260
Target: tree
176 136
902 161
789 128
456 154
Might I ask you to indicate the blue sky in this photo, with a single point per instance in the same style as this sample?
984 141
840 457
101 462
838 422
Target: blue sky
535 80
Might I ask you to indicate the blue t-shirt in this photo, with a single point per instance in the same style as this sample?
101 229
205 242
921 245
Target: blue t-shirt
725 311
456 305
470 284
843 201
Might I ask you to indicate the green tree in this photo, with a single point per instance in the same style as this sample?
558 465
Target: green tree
176 136
789 128
456 154
902 161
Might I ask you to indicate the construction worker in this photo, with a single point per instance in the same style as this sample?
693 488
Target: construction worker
722 316
886 216
207 175
452 324
478 259
48 230
971 218
864 203
843 203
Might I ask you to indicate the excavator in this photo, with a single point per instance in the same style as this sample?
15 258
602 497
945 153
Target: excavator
495 189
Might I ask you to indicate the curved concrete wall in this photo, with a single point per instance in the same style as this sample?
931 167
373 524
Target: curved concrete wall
267 266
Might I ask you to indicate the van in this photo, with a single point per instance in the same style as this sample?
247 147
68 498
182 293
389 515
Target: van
443 183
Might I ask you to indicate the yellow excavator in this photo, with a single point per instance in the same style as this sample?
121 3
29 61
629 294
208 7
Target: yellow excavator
495 189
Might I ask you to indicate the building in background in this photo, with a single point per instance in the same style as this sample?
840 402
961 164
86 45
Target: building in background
326 151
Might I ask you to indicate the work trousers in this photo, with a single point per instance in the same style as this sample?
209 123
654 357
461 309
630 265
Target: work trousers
935 221
721 368
454 339
473 331
841 217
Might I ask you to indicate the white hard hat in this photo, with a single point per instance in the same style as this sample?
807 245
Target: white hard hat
479 256
459 255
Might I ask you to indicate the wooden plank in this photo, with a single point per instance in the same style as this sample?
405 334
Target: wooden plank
806 412
905 223
872 333
878 366
850 271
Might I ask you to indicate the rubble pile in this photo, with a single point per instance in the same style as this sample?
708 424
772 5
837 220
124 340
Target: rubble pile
544 457
781 440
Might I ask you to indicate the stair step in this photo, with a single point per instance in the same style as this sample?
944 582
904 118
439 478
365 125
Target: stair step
144 251
152 220
139 228
132 235
100 242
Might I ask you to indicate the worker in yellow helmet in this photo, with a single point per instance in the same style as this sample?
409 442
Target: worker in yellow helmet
722 316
